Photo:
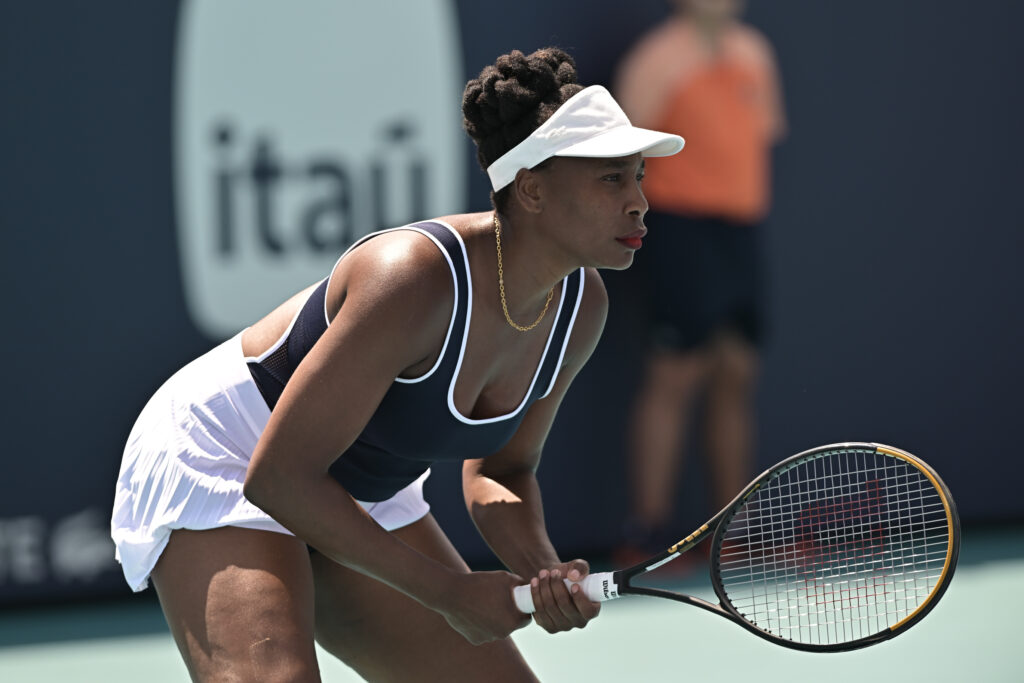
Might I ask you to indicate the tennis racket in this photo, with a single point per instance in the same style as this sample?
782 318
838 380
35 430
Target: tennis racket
832 549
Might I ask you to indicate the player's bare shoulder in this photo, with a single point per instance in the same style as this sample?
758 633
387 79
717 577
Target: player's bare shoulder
398 282
391 264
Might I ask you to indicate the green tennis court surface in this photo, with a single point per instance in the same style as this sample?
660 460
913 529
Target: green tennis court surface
973 635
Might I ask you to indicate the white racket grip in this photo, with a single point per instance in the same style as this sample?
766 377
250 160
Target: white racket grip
597 587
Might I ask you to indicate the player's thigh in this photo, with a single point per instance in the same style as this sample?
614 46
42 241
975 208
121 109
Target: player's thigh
239 603
387 636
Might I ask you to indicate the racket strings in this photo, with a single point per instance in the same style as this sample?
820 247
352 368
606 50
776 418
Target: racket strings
835 548
737 559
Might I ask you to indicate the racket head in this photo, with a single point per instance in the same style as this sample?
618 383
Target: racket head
836 548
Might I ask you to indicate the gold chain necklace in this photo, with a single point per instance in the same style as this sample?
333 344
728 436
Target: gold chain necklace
501 286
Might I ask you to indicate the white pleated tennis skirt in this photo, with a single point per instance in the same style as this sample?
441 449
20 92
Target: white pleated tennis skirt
186 461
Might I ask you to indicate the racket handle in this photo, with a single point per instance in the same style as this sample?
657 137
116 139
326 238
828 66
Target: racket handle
596 587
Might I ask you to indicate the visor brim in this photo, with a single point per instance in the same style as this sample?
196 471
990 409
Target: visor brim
623 141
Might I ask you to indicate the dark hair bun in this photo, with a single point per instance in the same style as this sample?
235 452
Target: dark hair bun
511 98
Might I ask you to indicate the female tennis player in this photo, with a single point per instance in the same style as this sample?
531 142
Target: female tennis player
273 488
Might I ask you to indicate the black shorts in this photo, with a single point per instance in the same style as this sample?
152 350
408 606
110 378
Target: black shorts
703 275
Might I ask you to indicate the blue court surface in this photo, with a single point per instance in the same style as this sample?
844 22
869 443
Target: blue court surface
973 635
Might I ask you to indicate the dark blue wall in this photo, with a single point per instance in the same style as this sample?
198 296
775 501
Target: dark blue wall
892 249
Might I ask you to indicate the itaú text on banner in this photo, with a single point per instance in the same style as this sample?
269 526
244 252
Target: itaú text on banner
299 129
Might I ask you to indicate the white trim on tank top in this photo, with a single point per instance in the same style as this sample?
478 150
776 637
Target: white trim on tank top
568 333
465 336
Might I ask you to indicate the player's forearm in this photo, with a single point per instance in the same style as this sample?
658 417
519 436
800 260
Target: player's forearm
319 511
509 515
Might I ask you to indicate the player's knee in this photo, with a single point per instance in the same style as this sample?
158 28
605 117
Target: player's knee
278 660
272 641
267 659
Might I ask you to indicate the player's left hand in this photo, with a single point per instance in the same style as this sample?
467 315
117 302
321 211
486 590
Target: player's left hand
559 608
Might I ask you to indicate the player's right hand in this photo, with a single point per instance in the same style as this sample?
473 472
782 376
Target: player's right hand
479 607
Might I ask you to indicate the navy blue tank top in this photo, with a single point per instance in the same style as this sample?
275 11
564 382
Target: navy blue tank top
417 422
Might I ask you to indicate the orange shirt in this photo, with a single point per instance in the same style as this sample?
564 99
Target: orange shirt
725 105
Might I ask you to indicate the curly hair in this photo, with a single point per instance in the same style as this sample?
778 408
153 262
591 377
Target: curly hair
512 98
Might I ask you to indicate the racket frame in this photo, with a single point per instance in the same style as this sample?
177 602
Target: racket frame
716 528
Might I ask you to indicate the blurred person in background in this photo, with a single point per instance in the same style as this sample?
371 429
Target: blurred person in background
712 79
273 488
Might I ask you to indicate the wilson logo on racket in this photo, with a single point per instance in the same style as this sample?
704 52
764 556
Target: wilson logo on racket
288 146
835 548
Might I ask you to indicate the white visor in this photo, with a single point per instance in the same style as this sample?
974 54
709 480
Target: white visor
588 124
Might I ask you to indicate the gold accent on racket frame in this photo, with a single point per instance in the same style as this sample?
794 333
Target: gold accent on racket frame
906 457
695 534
